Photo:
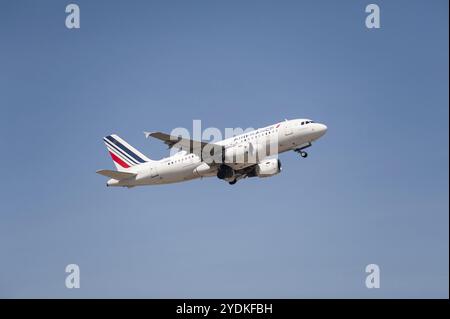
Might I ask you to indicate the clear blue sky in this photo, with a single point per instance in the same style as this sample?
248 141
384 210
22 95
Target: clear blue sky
373 190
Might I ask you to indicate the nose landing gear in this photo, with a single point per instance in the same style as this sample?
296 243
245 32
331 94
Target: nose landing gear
301 151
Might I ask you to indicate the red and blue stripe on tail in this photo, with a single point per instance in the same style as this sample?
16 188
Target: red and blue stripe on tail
123 154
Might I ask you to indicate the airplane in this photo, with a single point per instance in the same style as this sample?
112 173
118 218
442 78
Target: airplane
250 154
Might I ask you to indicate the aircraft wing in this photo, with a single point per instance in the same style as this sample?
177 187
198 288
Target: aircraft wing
203 149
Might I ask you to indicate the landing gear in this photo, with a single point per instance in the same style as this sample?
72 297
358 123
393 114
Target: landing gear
301 151
225 172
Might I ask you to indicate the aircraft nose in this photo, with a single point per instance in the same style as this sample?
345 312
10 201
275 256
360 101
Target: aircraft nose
322 129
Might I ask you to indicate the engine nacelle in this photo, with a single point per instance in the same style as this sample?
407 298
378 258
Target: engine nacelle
204 170
268 168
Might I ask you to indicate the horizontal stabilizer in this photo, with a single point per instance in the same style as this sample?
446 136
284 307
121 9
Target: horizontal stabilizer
115 174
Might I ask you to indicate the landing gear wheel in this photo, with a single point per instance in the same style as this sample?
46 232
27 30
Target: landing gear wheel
232 182
303 154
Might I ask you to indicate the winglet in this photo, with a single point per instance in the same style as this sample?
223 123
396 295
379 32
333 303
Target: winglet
147 134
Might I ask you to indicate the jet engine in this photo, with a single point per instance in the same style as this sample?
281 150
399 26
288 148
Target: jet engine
268 168
205 170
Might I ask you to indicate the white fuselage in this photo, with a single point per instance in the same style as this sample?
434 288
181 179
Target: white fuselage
185 166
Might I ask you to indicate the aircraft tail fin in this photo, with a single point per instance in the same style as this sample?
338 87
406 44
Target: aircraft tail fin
123 154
